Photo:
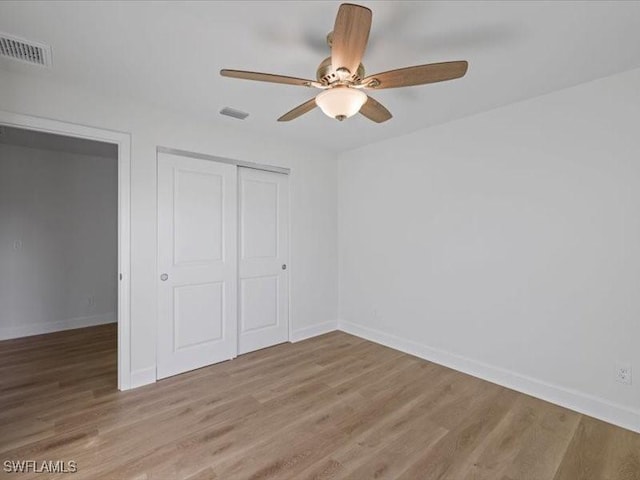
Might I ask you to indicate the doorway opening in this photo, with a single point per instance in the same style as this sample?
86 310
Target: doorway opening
64 253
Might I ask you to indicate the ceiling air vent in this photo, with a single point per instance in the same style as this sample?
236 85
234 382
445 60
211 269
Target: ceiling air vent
25 51
232 112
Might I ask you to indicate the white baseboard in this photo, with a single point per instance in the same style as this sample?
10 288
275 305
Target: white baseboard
60 325
568 398
143 376
313 331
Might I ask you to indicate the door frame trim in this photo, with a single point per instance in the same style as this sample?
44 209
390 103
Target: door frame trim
230 161
123 141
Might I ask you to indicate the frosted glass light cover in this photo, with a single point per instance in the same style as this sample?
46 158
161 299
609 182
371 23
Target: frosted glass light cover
341 102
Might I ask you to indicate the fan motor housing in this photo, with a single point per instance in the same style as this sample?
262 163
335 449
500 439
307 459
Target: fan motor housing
326 74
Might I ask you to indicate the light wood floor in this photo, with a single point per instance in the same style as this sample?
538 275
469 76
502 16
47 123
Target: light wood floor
331 407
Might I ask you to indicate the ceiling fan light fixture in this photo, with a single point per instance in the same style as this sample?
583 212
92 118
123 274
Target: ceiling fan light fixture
341 76
341 102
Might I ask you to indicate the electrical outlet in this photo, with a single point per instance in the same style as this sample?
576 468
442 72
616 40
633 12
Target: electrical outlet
623 373
91 301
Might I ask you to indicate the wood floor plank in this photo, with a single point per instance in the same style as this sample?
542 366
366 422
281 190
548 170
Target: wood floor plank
440 461
491 459
601 451
332 407
386 443
545 444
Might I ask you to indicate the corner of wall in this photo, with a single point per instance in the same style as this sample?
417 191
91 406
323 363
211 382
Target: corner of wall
313 331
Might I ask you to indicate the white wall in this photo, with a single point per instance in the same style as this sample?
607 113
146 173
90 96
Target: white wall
58 240
506 244
313 186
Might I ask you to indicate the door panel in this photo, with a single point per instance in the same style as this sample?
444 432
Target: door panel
259 302
197 241
260 201
264 249
198 314
197 196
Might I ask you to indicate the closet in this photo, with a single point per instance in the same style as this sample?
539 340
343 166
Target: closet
223 248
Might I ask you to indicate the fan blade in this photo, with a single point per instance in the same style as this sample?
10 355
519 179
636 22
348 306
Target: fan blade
350 36
299 110
418 75
375 111
267 77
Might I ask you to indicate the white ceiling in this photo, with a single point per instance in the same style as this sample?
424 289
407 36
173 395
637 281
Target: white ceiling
169 54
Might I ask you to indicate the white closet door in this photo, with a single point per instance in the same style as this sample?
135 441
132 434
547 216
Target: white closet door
197 263
264 252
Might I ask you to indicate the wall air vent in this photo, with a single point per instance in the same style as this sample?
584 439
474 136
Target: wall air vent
24 51
232 112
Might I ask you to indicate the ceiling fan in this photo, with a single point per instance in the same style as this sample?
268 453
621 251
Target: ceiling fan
342 79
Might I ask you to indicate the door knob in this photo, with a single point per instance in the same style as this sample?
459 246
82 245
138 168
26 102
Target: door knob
164 277
284 266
